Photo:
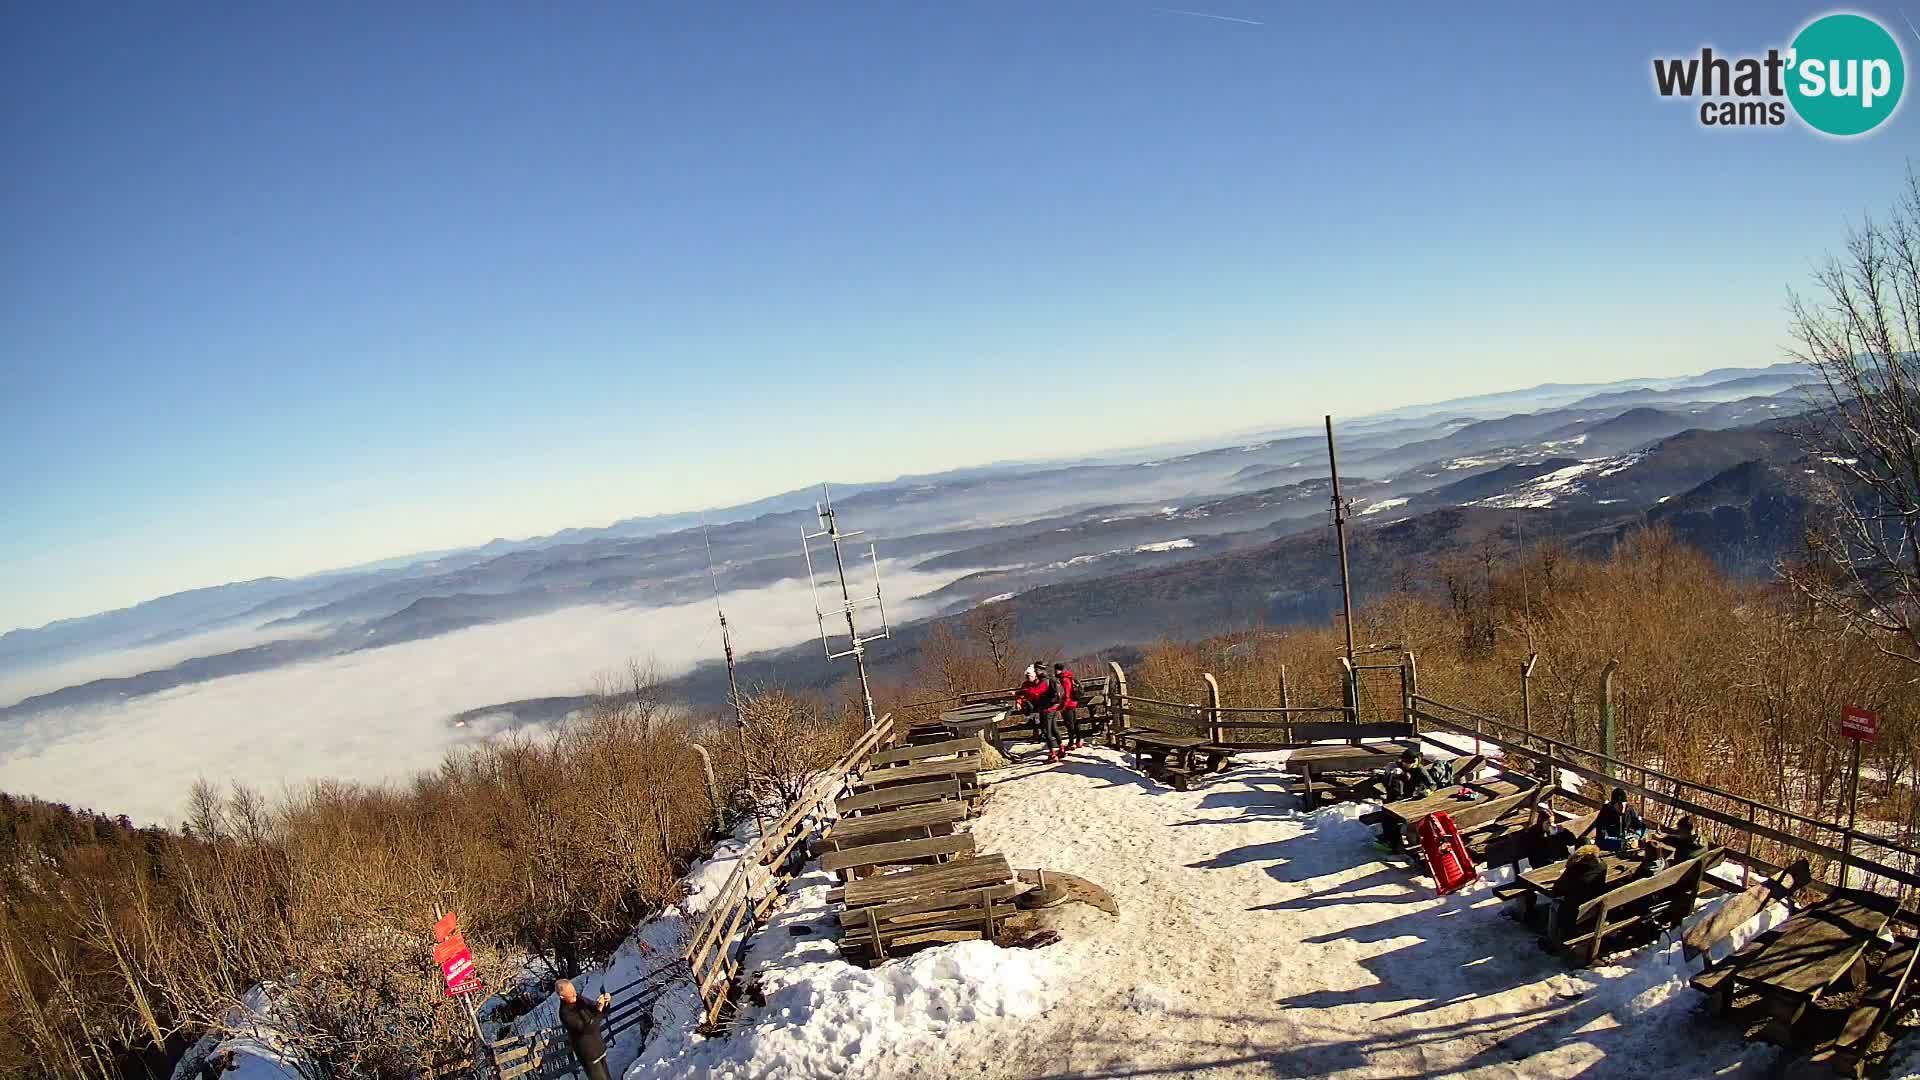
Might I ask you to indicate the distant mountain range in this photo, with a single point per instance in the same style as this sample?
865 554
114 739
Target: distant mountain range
1090 552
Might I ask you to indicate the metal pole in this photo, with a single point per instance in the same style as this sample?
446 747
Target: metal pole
1340 537
1606 715
1853 804
846 597
733 692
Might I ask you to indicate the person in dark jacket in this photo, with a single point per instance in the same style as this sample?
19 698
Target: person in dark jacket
1685 842
1409 778
1619 826
1584 879
217 1063
1069 706
581 1018
1545 843
1041 697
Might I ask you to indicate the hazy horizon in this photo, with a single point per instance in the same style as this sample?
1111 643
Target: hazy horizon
290 291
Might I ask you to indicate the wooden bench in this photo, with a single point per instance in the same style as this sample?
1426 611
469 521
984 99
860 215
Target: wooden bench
1177 758
1665 898
1738 910
853 861
968 771
946 748
1320 731
911 823
1848 1050
882 799
889 914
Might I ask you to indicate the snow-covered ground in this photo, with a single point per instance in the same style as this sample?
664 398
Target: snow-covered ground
1252 940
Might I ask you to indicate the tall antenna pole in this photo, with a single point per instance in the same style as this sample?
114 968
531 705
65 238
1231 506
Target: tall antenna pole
856 644
733 683
1340 509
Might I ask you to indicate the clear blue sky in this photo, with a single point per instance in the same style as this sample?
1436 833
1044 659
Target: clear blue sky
284 290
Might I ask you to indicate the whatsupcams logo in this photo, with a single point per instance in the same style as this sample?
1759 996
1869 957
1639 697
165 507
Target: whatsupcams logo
1842 75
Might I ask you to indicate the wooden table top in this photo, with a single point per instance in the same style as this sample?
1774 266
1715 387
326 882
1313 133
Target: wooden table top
1816 946
1448 799
1171 742
1337 757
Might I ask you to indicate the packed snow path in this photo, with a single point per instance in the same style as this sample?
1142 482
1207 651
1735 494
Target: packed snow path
1253 941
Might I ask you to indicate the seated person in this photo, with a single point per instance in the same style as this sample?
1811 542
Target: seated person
1584 879
1544 842
1685 842
1409 778
1619 826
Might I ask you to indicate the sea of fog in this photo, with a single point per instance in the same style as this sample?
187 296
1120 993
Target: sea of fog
384 713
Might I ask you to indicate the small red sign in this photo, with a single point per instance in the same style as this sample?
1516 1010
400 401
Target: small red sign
454 958
1858 723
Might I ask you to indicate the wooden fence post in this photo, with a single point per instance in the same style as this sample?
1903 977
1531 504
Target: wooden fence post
1410 689
1116 703
1350 690
713 790
1213 706
1285 702
1526 693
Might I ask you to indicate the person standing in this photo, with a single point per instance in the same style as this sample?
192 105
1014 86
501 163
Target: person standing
1041 697
582 1018
1069 706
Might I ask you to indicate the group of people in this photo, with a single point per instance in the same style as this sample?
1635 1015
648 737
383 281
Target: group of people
1618 828
1048 694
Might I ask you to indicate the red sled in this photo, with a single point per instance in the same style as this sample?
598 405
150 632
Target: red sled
1446 853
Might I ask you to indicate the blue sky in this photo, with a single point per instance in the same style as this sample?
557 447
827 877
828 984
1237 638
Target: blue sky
282 291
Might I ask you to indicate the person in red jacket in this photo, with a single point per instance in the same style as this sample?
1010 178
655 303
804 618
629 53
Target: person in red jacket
1040 695
1069 706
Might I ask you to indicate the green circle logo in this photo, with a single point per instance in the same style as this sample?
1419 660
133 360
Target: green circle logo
1846 74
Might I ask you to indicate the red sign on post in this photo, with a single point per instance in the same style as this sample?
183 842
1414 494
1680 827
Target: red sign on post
454 958
1858 723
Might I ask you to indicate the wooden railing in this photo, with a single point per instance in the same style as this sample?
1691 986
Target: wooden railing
1897 866
719 935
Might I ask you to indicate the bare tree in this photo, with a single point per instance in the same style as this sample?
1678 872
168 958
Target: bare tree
1860 332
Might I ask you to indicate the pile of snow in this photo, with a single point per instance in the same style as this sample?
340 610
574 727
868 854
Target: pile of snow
1253 940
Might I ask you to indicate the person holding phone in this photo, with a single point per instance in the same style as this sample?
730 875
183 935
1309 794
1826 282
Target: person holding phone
581 1018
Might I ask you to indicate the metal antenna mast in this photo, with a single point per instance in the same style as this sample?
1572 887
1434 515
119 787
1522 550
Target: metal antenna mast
1341 508
733 680
856 644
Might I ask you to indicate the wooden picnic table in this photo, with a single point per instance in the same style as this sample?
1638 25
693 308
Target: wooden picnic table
1323 763
1815 949
1174 756
1408 811
1540 882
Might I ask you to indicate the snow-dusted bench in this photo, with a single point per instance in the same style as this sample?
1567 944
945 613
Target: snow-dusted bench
890 914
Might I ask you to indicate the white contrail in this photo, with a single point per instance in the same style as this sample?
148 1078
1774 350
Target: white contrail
1210 15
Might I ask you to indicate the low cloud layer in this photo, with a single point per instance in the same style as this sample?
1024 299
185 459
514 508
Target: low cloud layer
381 714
